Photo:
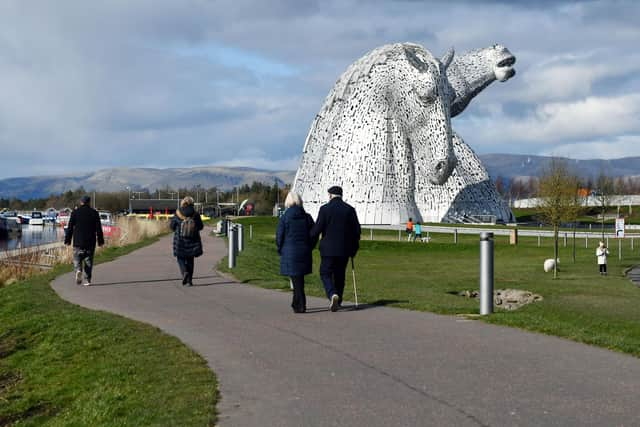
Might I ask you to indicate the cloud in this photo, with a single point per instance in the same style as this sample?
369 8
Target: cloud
176 83
622 146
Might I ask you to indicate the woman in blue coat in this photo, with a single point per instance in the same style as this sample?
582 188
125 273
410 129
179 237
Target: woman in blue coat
294 247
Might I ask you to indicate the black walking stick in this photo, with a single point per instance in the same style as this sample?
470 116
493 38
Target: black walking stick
355 291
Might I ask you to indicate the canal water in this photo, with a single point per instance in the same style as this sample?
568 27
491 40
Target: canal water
32 235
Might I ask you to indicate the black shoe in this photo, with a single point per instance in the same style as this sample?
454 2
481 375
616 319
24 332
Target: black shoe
185 278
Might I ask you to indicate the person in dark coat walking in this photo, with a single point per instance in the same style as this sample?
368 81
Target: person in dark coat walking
85 229
187 244
338 223
294 247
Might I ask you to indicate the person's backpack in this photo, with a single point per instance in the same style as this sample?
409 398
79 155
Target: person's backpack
188 228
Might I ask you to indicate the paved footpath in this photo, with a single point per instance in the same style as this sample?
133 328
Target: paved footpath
377 366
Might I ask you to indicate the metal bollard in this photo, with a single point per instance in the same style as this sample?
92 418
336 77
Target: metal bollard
240 238
565 240
455 236
399 235
607 241
538 240
250 231
486 273
586 241
371 236
632 243
232 246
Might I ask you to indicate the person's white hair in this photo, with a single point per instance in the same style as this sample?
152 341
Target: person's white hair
293 199
187 201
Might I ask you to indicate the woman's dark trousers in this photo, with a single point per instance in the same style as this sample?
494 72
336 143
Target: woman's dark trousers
299 303
186 269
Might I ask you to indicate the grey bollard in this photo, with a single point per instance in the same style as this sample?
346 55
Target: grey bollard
250 231
455 236
538 240
231 238
632 243
586 241
371 235
565 240
486 273
399 235
240 238
607 241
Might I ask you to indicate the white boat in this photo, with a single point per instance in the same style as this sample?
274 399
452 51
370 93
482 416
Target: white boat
105 218
36 218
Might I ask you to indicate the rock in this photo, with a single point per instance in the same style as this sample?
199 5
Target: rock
507 299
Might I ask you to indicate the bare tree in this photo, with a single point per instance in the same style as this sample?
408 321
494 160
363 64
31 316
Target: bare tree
604 191
558 193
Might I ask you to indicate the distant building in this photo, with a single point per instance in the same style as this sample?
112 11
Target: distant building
157 205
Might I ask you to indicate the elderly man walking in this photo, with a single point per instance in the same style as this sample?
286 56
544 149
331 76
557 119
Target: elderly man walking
84 228
340 229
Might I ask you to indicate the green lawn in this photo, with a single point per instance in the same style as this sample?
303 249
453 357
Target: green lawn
63 365
580 304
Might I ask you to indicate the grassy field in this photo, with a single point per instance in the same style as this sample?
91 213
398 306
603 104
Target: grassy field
580 305
62 365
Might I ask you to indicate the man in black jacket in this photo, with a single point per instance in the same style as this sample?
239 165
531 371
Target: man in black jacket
340 229
84 227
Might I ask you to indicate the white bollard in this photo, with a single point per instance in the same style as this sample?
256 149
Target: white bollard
240 238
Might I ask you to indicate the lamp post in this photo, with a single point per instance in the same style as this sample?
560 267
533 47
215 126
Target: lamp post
129 190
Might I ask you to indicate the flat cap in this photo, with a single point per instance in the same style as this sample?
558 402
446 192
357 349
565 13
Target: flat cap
336 190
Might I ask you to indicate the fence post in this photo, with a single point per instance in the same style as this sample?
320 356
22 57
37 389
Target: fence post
619 248
486 273
231 238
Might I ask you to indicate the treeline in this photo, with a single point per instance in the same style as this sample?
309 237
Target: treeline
264 197
524 188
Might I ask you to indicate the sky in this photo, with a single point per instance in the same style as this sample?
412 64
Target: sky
159 83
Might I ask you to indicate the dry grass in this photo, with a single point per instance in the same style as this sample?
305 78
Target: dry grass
29 262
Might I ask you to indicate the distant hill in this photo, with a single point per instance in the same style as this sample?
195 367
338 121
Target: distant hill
524 166
116 179
226 178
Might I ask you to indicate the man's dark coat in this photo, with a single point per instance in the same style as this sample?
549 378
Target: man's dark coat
84 227
340 228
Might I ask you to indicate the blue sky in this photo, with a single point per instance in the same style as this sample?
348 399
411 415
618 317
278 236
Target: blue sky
89 85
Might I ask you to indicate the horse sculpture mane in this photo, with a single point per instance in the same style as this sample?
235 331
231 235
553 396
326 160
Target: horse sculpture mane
384 134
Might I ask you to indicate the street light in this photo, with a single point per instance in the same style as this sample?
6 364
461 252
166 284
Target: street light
129 190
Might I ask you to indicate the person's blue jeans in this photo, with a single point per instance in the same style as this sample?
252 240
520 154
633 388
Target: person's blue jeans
83 257
332 273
